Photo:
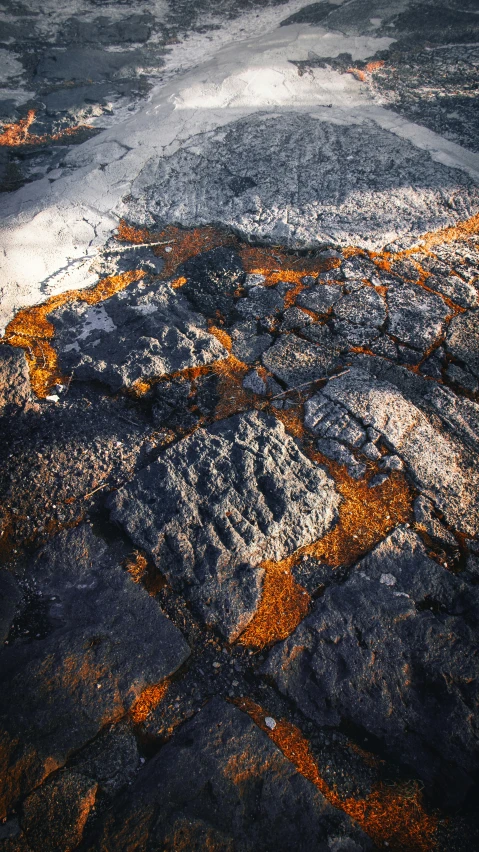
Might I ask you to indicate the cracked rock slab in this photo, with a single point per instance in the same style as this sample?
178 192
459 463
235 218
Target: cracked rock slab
393 650
389 188
106 640
143 332
416 317
295 361
221 783
441 467
463 340
219 503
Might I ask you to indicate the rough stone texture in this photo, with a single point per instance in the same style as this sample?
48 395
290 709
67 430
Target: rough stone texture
213 507
54 816
363 307
462 339
112 759
10 597
211 281
247 344
295 361
439 464
320 298
392 650
261 302
416 317
221 783
308 196
14 379
104 641
143 332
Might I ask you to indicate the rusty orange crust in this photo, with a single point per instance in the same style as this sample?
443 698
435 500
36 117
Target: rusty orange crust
18 134
149 699
394 815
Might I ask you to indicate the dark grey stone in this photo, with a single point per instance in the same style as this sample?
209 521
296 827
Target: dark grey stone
320 298
143 332
331 420
461 378
15 390
54 816
247 344
260 302
295 361
462 339
386 651
10 597
216 505
112 759
212 279
295 318
416 317
363 307
221 783
107 641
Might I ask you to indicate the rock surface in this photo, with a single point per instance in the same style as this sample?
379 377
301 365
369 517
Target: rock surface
79 673
215 506
143 332
391 650
221 782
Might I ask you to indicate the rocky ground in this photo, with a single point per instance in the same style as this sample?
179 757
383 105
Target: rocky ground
239 418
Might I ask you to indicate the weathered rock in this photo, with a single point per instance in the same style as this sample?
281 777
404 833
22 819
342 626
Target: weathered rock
143 332
212 279
439 464
14 379
171 405
255 383
461 378
320 298
306 195
295 318
54 816
107 641
363 307
260 302
216 505
392 650
221 783
10 597
112 759
416 317
295 361
247 344
427 520
332 421
462 339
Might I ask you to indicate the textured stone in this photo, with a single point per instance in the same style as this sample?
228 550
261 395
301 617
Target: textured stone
295 361
392 650
416 317
54 816
439 464
221 783
212 279
143 332
320 298
462 339
14 379
363 307
216 505
308 196
10 597
260 302
107 640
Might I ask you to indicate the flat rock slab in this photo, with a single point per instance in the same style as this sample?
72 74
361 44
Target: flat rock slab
222 784
106 640
304 181
439 464
296 361
216 505
463 340
416 317
394 651
143 332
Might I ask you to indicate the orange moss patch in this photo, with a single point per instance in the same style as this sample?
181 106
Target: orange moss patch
374 66
15 135
178 282
393 815
233 396
144 573
276 265
31 330
220 335
284 604
149 699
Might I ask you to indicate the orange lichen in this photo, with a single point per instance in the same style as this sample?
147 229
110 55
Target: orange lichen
220 335
144 572
284 604
149 699
358 73
178 282
374 66
17 134
388 815
233 396
32 331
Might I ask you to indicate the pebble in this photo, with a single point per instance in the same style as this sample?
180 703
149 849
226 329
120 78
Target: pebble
270 723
